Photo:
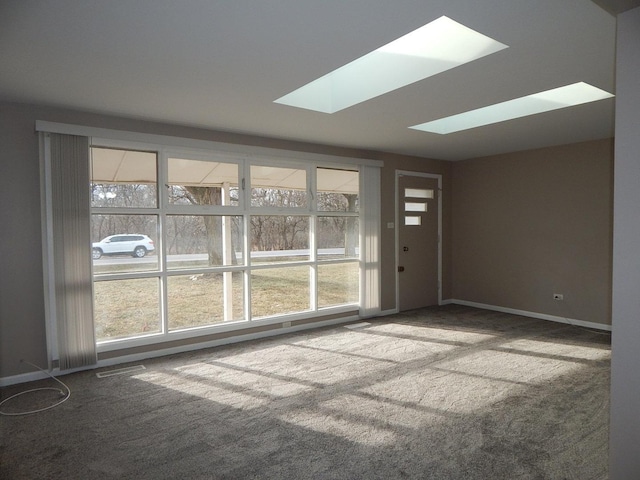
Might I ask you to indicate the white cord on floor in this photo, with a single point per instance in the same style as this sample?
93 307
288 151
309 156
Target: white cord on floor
30 412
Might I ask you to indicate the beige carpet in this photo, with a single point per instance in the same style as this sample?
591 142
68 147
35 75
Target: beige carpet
441 393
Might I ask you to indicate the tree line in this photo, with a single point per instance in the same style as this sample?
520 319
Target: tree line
186 234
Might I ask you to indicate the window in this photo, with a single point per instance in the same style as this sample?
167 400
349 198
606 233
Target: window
226 241
123 178
124 233
203 240
289 252
202 182
338 237
278 187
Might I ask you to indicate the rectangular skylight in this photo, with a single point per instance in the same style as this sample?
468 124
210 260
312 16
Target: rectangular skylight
562 97
431 49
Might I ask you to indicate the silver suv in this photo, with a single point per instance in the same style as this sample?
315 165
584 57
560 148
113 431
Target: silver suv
135 245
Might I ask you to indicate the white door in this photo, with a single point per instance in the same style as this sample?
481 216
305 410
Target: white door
418 241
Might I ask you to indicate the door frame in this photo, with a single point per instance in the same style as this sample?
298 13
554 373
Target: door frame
438 177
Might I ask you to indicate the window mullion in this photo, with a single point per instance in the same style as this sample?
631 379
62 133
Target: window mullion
245 195
163 203
312 187
313 278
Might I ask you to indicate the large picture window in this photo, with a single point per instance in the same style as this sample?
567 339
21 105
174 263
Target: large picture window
225 241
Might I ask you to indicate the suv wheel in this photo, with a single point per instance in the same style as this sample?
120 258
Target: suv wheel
96 253
139 252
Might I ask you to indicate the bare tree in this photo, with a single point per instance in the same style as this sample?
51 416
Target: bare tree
213 223
106 195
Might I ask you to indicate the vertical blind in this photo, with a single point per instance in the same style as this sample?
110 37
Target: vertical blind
71 253
370 285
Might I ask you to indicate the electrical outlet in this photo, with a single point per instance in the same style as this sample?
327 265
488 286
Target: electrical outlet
558 296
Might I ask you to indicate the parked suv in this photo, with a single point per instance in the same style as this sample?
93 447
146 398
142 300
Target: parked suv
135 245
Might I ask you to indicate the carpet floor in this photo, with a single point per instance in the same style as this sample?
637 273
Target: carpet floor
440 393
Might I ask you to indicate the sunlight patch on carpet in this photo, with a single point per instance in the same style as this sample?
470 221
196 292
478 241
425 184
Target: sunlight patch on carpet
204 389
359 432
435 334
355 326
509 366
309 367
377 346
551 347
269 384
442 392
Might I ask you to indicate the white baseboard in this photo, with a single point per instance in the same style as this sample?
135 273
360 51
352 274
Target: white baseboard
23 378
541 316
38 375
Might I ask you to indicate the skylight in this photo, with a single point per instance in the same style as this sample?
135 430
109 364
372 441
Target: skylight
562 97
431 49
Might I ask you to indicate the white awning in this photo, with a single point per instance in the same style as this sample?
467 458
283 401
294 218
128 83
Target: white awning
114 166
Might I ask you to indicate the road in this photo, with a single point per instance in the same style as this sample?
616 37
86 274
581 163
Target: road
201 257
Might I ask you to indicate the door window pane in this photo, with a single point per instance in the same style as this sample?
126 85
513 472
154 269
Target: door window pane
125 308
279 238
200 182
418 192
337 190
204 240
337 237
124 243
278 187
123 178
201 300
415 207
338 284
278 291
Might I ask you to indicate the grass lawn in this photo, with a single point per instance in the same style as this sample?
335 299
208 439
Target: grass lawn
132 307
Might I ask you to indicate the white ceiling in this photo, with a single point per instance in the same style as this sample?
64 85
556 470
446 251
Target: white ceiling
221 64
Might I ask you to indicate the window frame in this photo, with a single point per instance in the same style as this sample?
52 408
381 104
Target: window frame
245 210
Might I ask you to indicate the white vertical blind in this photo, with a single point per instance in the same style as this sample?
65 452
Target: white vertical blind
72 302
370 205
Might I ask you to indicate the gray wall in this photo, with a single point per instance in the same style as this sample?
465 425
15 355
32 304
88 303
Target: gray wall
530 224
625 378
22 325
